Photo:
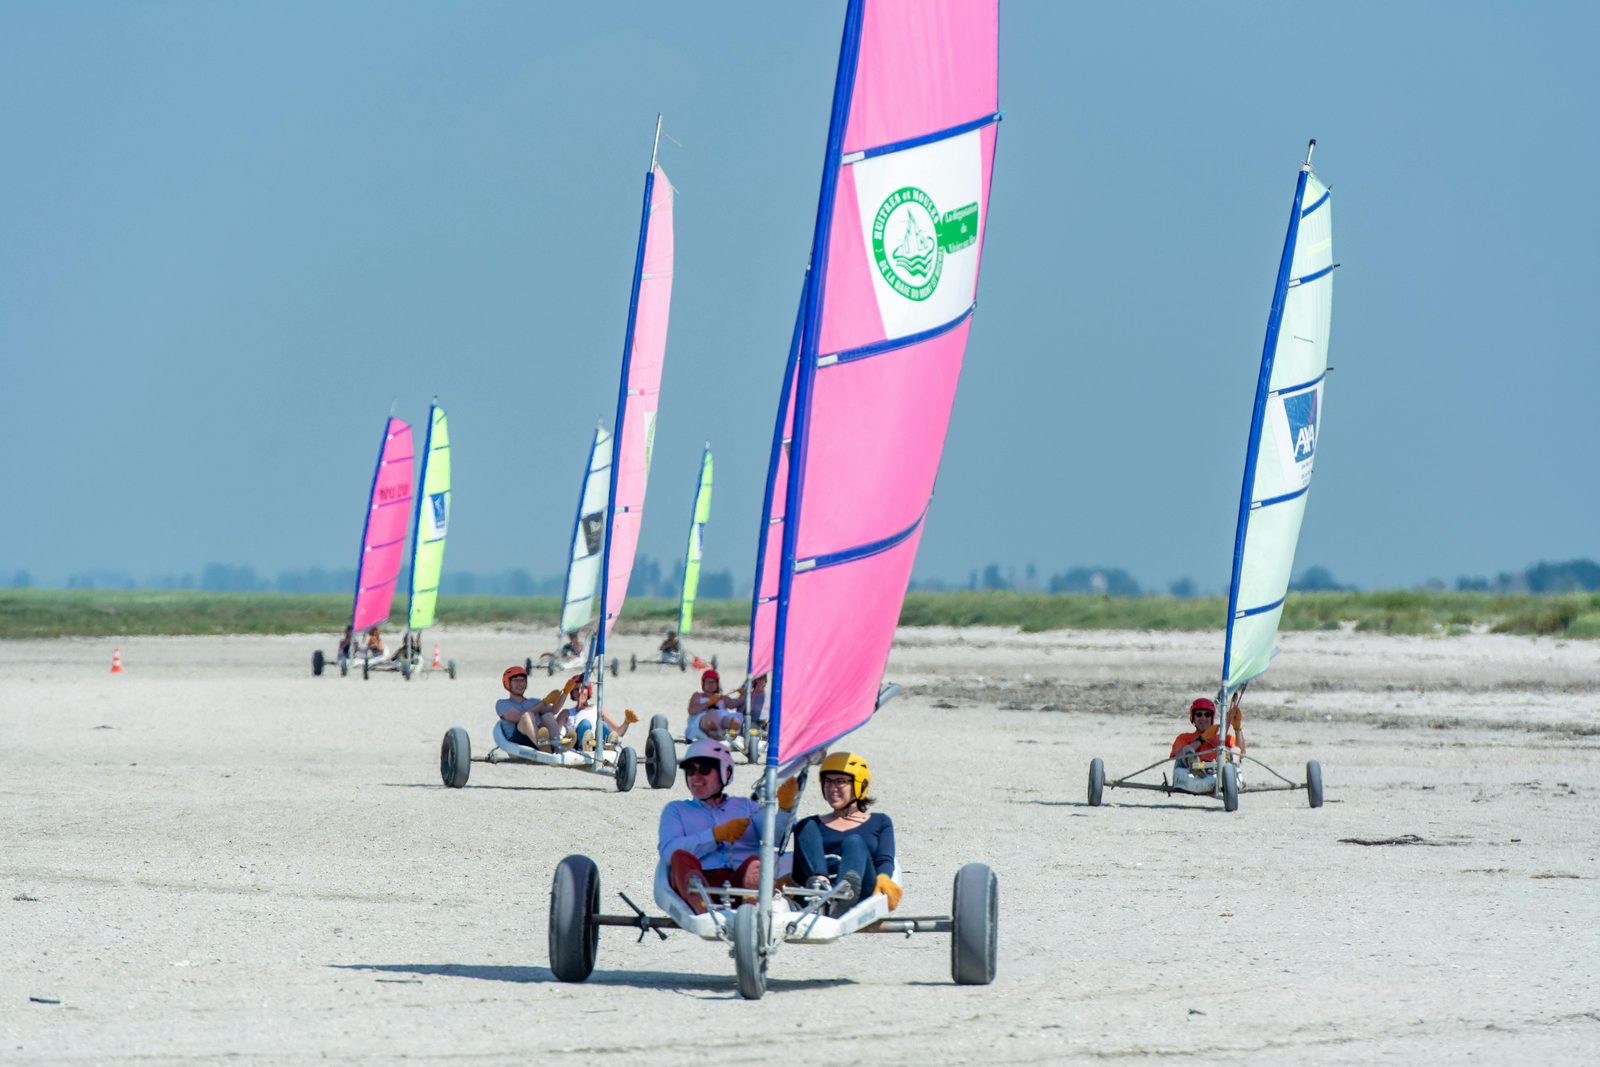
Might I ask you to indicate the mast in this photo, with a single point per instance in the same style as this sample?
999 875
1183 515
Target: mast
416 518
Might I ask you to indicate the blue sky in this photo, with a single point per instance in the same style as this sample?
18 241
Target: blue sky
234 234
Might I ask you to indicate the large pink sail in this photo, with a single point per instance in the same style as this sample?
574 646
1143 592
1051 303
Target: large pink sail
383 538
640 392
895 259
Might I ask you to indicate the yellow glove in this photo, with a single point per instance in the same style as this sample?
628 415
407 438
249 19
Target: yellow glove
788 793
887 887
730 831
555 696
1236 718
571 684
631 716
1211 733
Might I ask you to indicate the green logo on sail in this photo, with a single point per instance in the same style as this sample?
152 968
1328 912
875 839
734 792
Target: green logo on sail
910 239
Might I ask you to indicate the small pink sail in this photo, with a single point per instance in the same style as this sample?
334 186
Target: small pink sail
640 393
895 258
383 538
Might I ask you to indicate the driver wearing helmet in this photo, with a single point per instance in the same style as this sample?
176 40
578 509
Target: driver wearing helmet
671 647
582 714
535 723
1200 744
712 834
572 649
713 713
846 845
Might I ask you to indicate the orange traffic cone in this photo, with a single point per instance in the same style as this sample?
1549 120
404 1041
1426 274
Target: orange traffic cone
116 660
436 664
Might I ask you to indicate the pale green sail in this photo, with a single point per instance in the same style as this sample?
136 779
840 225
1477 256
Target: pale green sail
691 562
432 522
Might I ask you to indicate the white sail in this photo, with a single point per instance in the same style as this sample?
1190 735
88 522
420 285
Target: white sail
588 538
1284 431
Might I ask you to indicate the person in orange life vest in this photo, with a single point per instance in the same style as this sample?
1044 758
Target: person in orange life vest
1201 742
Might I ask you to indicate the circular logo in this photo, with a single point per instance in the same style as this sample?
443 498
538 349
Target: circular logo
905 243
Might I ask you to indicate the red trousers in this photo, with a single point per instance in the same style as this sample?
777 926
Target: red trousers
683 864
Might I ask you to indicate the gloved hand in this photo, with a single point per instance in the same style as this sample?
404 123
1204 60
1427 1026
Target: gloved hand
555 696
788 793
887 887
729 832
1236 718
1211 732
630 716
571 684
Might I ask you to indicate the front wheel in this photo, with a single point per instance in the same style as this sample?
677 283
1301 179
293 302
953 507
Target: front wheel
317 662
975 929
1230 787
344 667
574 937
627 768
1097 781
749 955
366 669
455 758
451 667
659 722
1314 783
660 759
633 663
405 669
616 667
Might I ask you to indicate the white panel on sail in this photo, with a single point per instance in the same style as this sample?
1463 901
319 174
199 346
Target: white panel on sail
588 540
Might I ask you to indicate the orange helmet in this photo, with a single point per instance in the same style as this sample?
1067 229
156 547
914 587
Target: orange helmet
510 673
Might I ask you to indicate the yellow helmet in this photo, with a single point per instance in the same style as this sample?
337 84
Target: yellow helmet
851 764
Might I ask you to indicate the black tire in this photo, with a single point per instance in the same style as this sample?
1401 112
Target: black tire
405 669
451 667
659 722
749 961
344 667
975 931
616 667
633 663
660 759
366 669
527 665
455 757
1097 781
683 662
317 662
1230 787
1314 783
550 667
574 937
627 768
713 663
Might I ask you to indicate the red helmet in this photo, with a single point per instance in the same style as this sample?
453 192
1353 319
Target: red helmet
512 672
710 676
1202 704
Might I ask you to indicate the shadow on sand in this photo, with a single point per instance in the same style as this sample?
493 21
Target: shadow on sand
677 980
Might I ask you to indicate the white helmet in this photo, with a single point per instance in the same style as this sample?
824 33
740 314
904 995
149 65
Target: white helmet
709 749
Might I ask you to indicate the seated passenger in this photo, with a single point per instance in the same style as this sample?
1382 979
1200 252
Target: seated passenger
1200 744
376 649
537 723
846 845
581 715
758 699
713 713
410 648
713 835
347 643
573 649
671 647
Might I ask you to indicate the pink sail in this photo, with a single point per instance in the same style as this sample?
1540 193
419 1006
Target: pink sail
639 396
764 613
904 205
383 538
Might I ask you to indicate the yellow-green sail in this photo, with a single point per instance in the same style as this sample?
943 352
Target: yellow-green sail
691 562
432 522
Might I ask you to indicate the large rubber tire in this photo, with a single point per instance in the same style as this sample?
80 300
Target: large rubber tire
405 669
1097 781
550 667
455 757
527 664
660 759
627 768
451 667
574 937
659 722
633 663
749 961
366 669
1230 787
616 667
317 662
344 667
1314 783
683 662
975 931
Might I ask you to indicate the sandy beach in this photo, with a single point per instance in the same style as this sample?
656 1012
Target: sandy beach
215 856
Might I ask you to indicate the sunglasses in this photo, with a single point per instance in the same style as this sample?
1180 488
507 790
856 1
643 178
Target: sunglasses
700 767
1202 715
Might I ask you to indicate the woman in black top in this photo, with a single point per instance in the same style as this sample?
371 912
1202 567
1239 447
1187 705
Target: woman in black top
847 844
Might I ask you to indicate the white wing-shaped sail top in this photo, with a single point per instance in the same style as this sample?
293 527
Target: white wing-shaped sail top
1284 430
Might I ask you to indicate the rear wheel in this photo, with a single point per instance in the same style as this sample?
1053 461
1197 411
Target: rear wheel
660 759
659 722
1097 781
627 768
713 663
1230 787
1314 783
574 937
317 662
455 757
616 667
683 662
633 663
975 931
366 669
344 666
451 667
749 957
405 669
